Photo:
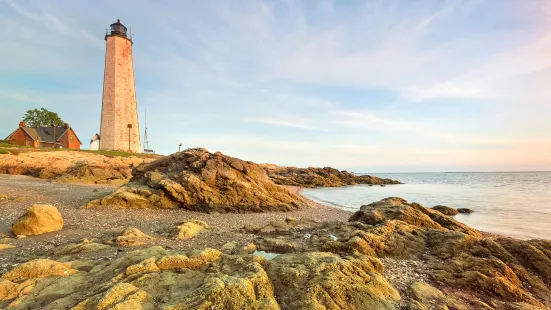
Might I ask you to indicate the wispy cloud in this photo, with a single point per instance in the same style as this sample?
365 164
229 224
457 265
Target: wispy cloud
52 22
279 123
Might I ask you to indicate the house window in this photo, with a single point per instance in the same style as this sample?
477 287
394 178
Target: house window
71 138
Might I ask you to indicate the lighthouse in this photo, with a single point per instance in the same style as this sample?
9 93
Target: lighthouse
119 128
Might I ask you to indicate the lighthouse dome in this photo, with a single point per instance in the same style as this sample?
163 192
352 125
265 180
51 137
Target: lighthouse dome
118 29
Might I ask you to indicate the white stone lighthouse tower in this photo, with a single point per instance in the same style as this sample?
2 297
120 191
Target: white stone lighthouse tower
120 129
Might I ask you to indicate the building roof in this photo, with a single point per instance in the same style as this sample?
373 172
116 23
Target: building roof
46 134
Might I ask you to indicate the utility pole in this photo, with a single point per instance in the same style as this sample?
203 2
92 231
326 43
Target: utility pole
129 127
53 125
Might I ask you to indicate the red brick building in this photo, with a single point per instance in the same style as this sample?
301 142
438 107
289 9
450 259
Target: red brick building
43 137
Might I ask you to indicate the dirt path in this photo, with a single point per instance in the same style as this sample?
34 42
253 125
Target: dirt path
104 224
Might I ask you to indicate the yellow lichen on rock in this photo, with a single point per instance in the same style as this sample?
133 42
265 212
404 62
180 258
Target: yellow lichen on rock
145 266
319 280
179 261
207 255
39 268
189 229
6 246
132 237
122 296
8 290
39 219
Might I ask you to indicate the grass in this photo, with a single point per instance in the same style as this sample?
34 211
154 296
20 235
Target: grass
6 144
4 151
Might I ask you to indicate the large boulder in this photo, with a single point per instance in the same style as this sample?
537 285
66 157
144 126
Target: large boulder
198 180
39 219
320 177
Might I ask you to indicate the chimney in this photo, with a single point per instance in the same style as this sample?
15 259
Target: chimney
22 124
66 126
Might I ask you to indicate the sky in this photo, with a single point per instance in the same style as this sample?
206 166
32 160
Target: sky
367 86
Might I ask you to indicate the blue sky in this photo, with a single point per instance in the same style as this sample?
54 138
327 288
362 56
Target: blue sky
369 86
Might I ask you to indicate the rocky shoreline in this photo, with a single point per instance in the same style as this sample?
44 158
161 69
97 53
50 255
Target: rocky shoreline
390 254
320 177
71 166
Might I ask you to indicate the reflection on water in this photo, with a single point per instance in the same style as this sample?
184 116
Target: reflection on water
516 204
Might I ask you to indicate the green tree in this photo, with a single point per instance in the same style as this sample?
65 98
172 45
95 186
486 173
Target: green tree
42 118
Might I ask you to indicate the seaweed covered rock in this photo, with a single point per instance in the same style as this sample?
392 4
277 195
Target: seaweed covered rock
198 180
320 177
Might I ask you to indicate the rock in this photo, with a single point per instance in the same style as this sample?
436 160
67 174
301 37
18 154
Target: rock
446 210
39 268
153 278
472 272
413 214
8 290
464 210
250 247
319 280
277 245
319 177
198 180
83 247
189 229
131 237
121 296
39 219
6 246
429 295
230 246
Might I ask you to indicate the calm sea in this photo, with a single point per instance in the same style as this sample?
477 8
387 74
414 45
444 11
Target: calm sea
516 204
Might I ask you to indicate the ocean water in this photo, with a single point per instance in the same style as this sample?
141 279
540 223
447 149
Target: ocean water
516 204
